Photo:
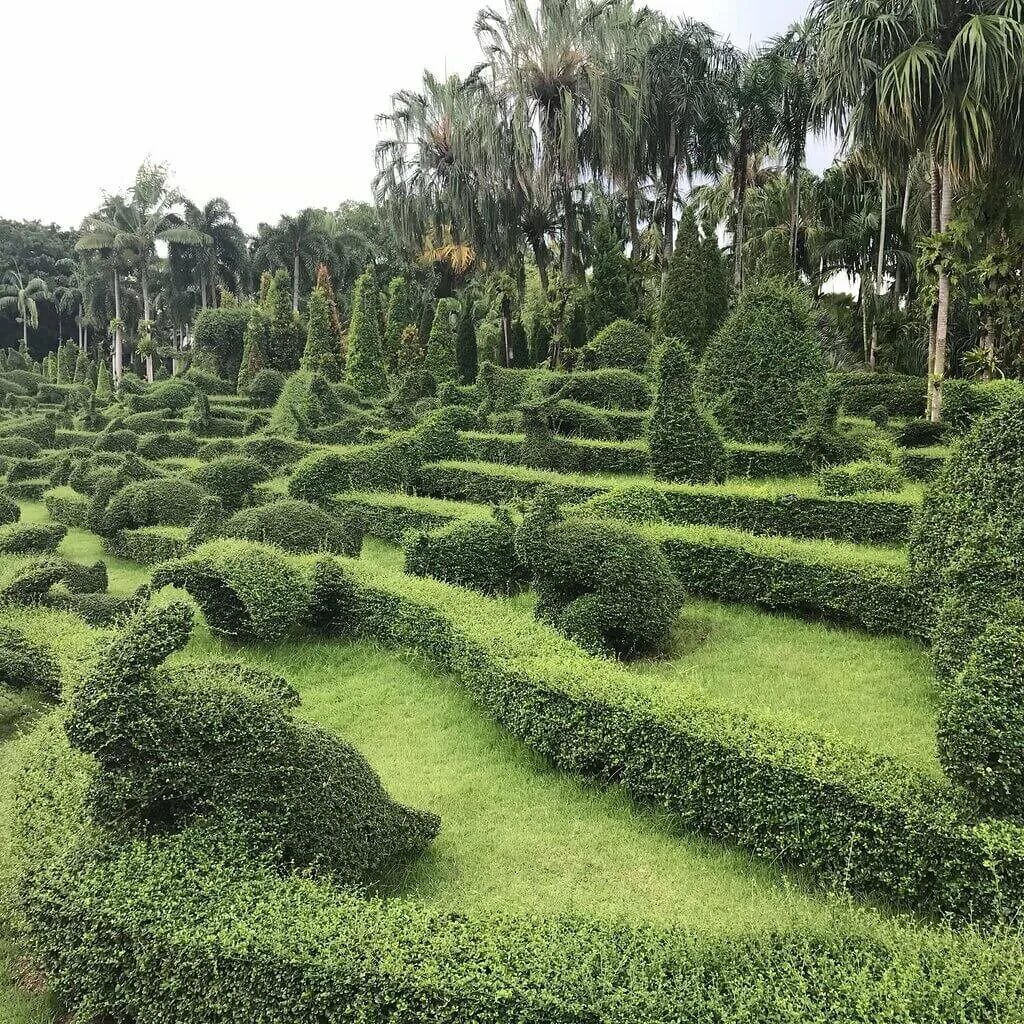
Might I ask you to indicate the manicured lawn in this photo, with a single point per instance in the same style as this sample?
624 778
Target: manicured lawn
876 692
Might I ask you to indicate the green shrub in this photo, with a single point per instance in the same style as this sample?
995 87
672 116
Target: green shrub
307 403
441 361
981 720
622 345
274 452
31 538
10 512
601 584
878 414
208 383
466 352
965 402
861 390
860 478
148 545
762 374
611 295
479 554
364 369
685 443
178 444
231 478
117 441
25 665
176 394
683 313
920 434
245 590
265 388
158 502
33 582
66 506
321 354
297 526
38 429
218 338
218 741
18 448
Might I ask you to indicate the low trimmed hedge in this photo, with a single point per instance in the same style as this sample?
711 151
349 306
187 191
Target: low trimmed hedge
148 545
67 506
902 394
392 516
864 520
298 526
860 478
31 538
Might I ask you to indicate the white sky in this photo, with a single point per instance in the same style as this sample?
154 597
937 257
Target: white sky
271 105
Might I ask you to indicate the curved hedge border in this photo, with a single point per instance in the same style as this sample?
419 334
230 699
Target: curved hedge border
65 505
867 822
864 520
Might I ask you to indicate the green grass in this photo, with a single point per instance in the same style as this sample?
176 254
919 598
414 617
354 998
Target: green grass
875 692
516 835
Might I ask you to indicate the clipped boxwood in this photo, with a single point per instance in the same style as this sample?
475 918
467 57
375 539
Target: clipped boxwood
622 345
231 478
67 506
31 538
297 526
860 478
161 501
176 444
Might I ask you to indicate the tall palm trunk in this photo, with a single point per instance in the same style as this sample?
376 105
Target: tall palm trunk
541 257
873 357
897 287
935 202
669 177
568 231
740 191
202 289
144 281
118 368
295 282
942 310
794 214
633 219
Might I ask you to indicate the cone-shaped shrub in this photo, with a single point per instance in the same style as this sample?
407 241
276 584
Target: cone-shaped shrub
683 313
440 361
365 367
400 315
253 349
611 294
686 444
320 355
465 343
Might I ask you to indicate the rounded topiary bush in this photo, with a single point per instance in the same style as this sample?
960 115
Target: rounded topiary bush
600 583
117 441
297 526
762 374
231 478
162 501
177 444
266 387
479 554
31 538
26 665
981 720
686 444
621 345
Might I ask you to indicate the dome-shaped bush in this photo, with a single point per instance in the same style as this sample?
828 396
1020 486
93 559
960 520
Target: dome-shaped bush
621 345
762 374
231 478
297 526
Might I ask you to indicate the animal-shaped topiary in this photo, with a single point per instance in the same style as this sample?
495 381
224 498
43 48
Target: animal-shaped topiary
215 743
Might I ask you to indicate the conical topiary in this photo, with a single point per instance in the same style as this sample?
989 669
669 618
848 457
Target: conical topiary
683 313
440 361
686 445
253 357
320 355
364 369
466 352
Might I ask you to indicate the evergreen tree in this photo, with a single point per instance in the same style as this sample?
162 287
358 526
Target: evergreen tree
253 349
365 366
465 342
611 293
426 320
520 346
323 281
284 342
104 384
716 283
83 369
686 444
410 350
540 340
400 315
683 312
321 355
441 362
66 356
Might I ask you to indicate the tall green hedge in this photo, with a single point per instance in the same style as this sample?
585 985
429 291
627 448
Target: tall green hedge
364 369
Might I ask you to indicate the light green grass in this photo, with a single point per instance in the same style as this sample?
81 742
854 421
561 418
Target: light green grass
516 835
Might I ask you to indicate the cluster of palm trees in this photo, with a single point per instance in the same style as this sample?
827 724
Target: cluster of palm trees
576 101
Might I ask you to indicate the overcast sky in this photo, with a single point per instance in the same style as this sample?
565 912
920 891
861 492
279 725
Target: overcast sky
270 105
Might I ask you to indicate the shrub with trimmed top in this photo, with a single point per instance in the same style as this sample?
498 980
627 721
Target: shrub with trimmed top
622 345
162 501
860 478
231 478
762 374
31 538
297 526
118 440
685 442
364 368
26 665
265 387
601 584
920 433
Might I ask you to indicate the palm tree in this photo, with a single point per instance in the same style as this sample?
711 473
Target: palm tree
131 228
298 243
942 72
21 296
67 297
220 261
550 67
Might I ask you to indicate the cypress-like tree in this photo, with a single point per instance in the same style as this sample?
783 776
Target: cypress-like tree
104 384
611 293
82 368
284 341
67 354
365 367
321 354
410 350
716 283
683 313
400 315
323 281
426 320
253 354
686 444
441 362
520 345
466 352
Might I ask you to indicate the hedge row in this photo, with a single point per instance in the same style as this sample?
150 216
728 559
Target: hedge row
148 545
130 933
67 506
864 520
901 394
